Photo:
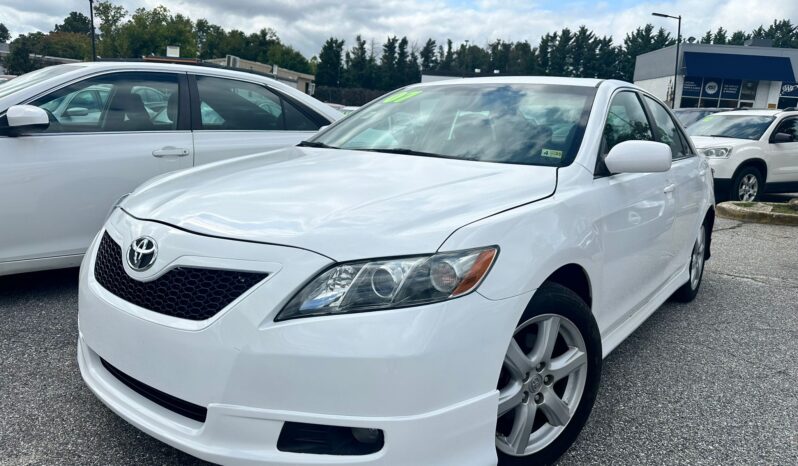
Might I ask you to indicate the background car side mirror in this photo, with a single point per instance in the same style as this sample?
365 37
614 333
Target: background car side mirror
639 157
76 112
25 118
782 137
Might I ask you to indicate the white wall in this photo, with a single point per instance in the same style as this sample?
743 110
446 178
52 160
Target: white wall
657 86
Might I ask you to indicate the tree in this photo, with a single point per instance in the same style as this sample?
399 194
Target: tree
739 38
110 16
707 39
720 36
782 33
209 39
328 70
65 45
19 59
286 56
76 22
638 42
5 36
388 79
427 54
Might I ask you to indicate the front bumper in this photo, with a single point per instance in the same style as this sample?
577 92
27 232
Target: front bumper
425 376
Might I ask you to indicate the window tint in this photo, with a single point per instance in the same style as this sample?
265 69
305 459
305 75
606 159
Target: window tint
626 121
115 102
789 126
296 120
665 128
730 125
227 104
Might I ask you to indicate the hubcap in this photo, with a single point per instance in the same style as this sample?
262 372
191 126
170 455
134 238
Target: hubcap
543 378
749 187
697 260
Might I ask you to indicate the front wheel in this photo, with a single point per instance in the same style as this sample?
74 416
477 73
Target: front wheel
747 185
549 379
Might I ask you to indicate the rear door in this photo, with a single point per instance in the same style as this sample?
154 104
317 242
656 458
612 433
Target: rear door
103 141
234 117
783 158
685 188
636 217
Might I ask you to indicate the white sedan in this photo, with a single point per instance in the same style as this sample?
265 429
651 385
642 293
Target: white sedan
74 138
433 280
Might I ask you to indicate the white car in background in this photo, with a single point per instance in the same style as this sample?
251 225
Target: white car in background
75 138
751 152
437 292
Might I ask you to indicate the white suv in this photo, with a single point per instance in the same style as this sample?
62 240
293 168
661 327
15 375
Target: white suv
75 138
751 152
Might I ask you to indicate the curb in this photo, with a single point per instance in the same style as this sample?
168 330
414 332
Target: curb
733 211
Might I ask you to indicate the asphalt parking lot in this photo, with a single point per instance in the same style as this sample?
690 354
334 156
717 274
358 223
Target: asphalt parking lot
711 382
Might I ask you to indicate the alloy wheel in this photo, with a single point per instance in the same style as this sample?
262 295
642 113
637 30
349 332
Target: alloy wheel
697 261
542 381
748 188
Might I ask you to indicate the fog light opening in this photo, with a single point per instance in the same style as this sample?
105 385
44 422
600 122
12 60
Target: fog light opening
363 435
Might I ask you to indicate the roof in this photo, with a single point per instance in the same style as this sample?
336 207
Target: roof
584 82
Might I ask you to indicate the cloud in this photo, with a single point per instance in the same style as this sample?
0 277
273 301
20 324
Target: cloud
306 24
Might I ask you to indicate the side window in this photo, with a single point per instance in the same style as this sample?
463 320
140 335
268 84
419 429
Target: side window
789 126
666 130
295 120
626 121
228 104
113 102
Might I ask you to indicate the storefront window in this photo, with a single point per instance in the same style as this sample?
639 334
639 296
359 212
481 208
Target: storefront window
788 97
717 92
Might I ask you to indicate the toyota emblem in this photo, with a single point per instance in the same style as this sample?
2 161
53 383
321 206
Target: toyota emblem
141 254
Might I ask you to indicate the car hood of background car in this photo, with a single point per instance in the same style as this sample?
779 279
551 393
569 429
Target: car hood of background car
701 142
344 204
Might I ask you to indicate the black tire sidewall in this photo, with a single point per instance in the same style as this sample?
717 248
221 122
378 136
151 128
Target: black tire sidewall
734 195
686 293
552 298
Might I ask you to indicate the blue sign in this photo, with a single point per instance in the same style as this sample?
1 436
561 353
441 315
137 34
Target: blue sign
789 89
711 88
731 89
691 87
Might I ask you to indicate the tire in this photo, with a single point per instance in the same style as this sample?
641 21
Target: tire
689 290
529 392
748 179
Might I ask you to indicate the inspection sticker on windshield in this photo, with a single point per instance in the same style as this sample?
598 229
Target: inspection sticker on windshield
551 153
401 97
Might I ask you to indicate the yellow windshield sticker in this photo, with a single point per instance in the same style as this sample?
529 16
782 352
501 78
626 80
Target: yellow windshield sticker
401 97
551 153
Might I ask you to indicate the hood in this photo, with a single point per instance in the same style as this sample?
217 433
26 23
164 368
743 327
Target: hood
344 204
701 142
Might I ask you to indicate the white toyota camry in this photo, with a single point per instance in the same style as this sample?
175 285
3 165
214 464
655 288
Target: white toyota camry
433 280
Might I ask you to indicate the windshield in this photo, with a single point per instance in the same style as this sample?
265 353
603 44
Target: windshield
532 124
688 117
34 77
731 126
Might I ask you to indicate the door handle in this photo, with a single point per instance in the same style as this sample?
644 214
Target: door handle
669 189
170 151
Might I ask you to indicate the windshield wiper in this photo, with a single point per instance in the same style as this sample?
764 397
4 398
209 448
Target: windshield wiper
721 136
402 151
319 145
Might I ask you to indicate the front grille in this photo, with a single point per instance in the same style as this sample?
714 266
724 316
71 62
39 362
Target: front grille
185 292
174 404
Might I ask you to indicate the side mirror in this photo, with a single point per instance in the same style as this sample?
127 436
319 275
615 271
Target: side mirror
25 118
76 112
782 137
639 157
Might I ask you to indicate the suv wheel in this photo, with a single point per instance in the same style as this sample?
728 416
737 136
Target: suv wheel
549 379
747 185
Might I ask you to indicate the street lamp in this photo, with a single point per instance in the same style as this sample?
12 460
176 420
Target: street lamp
678 42
93 41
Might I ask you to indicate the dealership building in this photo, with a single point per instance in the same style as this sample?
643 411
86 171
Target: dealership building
736 76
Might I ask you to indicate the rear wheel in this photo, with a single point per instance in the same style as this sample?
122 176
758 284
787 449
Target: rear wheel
549 379
747 185
689 290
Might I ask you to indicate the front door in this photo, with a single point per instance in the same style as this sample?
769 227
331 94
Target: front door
59 185
783 158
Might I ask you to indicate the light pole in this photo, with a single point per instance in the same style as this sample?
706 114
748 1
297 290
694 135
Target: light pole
93 41
678 42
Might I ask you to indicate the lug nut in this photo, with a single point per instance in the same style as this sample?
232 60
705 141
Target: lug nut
538 398
526 397
547 379
540 367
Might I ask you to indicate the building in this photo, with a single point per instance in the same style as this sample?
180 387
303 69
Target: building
302 81
737 76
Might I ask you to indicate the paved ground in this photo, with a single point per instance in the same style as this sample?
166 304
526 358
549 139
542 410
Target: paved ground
712 382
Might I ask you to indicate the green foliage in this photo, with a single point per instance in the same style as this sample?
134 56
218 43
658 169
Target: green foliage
19 60
76 22
5 36
329 70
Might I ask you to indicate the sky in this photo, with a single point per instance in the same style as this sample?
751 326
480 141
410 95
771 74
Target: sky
306 24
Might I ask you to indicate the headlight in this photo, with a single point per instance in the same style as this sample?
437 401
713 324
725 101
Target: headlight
392 283
716 152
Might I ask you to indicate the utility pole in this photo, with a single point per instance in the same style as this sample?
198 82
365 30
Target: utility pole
678 43
93 39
